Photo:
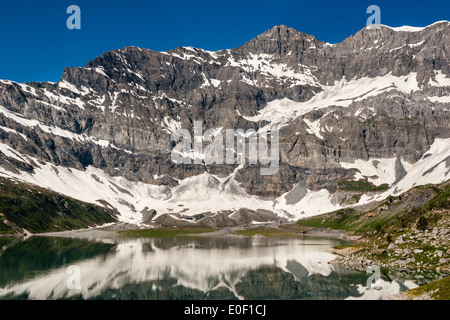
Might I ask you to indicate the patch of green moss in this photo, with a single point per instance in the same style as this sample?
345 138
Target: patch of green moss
361 186
340 219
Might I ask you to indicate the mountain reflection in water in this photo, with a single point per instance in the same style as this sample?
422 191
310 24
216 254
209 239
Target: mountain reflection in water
180 268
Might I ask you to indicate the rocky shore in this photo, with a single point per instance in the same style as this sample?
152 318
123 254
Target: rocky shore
423 255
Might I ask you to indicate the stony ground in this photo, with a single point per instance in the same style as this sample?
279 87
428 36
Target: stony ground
418 254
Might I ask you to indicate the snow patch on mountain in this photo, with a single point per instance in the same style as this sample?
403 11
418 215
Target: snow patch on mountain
314 127
343 93
313 203
440 80
57 131
14 132
376 171
268 66
433 168
413 29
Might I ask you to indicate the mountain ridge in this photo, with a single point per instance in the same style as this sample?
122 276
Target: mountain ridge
376 101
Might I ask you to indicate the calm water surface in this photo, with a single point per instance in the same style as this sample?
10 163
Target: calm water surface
180 268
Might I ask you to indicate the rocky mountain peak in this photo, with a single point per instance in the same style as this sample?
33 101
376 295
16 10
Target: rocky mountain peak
282 40
282 32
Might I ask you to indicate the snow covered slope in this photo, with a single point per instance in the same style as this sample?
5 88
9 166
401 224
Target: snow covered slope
209 193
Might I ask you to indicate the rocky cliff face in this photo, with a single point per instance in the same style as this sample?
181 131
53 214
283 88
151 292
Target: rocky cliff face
358 120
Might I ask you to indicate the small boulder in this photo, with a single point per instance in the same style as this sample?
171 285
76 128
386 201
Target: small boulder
410 260
392 246
399 240
148 215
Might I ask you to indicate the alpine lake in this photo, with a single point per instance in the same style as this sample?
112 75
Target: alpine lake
193 267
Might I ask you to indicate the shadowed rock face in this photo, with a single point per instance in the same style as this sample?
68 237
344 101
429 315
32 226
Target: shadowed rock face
117 112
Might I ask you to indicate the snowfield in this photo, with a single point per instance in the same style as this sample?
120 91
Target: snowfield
343 93
209 193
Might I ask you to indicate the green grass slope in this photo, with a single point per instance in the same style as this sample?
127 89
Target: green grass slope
436 290
39 210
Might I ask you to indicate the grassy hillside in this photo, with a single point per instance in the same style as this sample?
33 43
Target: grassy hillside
421 208
436 290
39 210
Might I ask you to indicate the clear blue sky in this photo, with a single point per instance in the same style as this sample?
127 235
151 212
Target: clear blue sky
36 44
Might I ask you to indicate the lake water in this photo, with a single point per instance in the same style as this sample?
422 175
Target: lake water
180 268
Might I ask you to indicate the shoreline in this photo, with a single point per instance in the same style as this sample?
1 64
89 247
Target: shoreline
112 231
400 258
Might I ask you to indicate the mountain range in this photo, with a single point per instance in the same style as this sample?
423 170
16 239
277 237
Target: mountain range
359 120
